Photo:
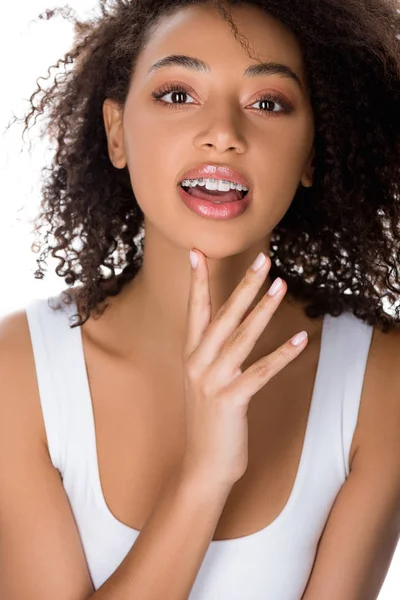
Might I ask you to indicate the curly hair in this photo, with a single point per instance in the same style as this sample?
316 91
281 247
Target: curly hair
336 246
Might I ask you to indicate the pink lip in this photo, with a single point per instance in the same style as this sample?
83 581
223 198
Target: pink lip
216 172
209 210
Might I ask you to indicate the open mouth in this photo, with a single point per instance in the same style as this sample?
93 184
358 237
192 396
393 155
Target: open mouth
216 196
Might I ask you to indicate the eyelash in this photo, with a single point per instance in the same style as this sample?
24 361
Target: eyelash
271 97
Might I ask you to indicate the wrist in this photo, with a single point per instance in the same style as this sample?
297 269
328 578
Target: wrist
202 484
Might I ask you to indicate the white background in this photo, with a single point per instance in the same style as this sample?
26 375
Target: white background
27 50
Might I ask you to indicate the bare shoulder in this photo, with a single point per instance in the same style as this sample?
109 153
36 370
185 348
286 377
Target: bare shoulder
42 554
363 528
379 416
17 365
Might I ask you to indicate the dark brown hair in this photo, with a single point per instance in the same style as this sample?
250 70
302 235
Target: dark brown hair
336 247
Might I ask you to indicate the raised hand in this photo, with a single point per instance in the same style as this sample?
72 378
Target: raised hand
217 392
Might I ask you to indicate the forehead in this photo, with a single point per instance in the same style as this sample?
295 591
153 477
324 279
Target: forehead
199 30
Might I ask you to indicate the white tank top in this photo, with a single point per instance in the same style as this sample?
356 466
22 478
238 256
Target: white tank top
275 562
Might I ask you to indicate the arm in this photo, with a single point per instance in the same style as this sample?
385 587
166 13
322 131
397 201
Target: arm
41 556
361 535
170 549
363 529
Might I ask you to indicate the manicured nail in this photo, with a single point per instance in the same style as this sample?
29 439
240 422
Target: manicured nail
299 338
259 262
194 259
275 287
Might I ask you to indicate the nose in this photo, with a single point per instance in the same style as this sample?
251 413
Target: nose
223 132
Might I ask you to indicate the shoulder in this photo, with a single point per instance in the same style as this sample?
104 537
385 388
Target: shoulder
14 332
39 539
363 527
19 394
382 378
378 431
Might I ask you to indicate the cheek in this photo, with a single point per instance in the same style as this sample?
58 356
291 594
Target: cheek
141 139
156 153
290 143
143 151
280 168
154 164
282 157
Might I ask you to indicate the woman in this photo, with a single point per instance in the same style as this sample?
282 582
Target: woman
172 442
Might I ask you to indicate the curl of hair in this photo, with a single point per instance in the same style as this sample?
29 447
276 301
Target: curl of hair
337 245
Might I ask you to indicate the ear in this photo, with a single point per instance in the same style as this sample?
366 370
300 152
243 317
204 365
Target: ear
112 115
308 175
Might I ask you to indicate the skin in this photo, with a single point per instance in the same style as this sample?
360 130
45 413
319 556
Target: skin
362 529
216 123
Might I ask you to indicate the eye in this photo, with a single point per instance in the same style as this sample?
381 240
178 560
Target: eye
179 92
175 91
275 99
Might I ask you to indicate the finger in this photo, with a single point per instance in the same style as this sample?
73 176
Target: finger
262 371
242 341
230 315
199 305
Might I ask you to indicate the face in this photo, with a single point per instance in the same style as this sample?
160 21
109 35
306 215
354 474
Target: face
218 117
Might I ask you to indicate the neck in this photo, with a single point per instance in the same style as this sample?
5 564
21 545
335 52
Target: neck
152 309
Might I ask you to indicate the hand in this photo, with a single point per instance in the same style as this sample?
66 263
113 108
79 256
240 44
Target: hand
217 392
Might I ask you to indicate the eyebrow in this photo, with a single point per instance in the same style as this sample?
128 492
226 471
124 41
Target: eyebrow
195 64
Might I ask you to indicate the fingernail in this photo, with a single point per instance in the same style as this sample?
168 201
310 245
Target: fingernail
299 338
194 259
259 262
275 287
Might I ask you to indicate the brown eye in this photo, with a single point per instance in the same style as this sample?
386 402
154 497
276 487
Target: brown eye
274 99
176 92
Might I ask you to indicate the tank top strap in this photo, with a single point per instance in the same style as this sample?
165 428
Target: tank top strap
337 395
355 337
65 392
54 346
324 464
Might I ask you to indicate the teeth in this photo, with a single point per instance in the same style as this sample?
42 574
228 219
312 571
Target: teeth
214 185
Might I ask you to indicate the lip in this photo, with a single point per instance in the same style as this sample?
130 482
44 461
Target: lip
209 210
219 172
